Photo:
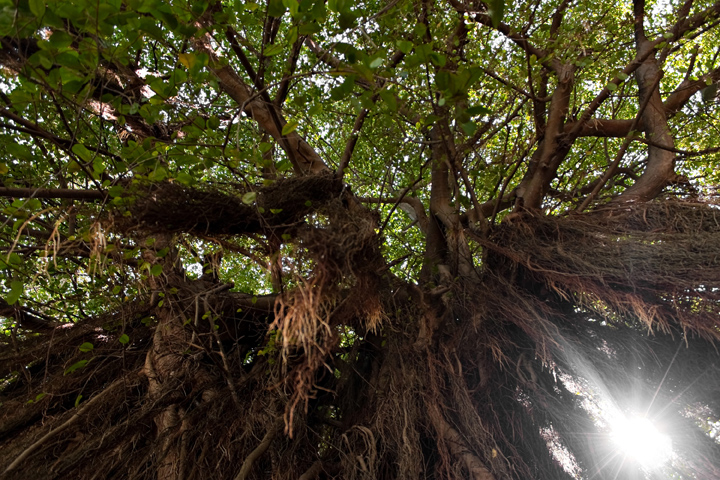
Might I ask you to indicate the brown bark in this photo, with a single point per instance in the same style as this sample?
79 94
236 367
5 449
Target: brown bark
164 366
661 162
303 157
446 250
545 162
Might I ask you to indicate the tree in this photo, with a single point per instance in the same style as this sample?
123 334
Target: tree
407 239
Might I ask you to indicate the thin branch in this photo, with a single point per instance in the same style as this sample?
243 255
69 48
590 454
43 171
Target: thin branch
292 65
352 141
52 193
360 120
618 157
34 129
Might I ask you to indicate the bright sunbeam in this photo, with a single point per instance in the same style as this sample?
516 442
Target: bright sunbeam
637 438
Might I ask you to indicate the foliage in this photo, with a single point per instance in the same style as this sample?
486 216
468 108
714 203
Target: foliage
404 239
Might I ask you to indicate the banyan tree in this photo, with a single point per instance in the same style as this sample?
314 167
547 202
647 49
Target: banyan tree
380 239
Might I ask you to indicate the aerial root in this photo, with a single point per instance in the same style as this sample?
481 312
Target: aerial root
458 448
259 450
64 426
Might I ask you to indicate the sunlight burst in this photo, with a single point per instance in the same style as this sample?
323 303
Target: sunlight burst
639 439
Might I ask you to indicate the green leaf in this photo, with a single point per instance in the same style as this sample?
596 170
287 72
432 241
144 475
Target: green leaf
178 77
185 178
344 89
156 270
390 100
98 165
249 198
76 366
478 110
188 60
82 152
60 39
404 46
496 11
158 175
309 28
291 5
438 59
376 63
273 49
16 289
86 347
115 191
33 204
276 8
124 339
74 167
611 86
77 400
442 80
289 127
37 7
315 109
14 259
469 128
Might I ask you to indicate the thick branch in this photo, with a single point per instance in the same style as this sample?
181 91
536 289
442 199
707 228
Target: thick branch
661 163
618 157
303 157
676 100
545 163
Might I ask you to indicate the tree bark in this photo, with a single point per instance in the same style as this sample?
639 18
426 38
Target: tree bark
661 161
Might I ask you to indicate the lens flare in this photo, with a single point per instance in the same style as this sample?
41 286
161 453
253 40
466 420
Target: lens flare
638 438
